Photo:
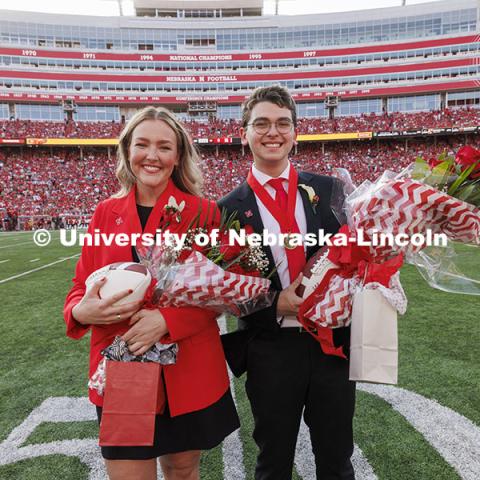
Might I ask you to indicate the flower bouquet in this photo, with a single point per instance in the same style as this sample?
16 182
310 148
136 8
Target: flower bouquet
219 274
438 196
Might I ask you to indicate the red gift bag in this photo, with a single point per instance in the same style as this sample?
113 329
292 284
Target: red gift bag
134 394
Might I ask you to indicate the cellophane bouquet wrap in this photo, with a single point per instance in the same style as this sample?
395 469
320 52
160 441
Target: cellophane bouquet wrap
439 196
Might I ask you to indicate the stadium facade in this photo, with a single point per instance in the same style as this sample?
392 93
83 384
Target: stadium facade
206 61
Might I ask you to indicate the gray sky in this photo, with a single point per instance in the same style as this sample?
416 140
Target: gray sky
110 7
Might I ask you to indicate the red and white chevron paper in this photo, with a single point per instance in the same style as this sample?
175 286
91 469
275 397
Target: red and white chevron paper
407 206
335 307
199 282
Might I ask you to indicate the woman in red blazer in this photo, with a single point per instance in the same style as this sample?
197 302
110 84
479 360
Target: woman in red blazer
155 162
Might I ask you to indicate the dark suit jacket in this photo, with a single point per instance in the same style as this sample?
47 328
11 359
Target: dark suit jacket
242 200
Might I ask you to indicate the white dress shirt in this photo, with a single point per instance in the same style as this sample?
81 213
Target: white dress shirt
269 222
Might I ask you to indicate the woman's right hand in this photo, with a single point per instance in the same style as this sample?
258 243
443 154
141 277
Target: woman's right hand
93 310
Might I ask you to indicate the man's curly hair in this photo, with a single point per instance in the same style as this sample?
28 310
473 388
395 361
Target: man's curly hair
275 94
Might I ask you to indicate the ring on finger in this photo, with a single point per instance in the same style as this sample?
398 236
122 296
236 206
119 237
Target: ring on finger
118 317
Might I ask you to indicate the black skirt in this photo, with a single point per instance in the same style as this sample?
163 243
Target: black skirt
200 430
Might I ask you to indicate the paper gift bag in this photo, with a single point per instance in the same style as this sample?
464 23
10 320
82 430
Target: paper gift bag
134 394
374 339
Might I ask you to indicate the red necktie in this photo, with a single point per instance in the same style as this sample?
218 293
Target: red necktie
281 196
295 256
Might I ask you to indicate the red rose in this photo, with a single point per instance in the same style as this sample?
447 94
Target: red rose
248 229
236 268
253 273
228 251
433 162
167 218
198 248
184 254
468 156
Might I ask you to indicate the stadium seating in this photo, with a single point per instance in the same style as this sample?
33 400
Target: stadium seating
40 183
460 117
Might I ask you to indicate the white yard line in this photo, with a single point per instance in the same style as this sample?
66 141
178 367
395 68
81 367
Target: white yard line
36 269
14 234
18 244
5 237
34 260
59 410
232 447
454 437
4 261
54 233
305 461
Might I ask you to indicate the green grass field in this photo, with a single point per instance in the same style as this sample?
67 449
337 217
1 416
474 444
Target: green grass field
439 340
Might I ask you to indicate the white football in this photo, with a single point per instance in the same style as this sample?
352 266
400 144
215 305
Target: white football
122 276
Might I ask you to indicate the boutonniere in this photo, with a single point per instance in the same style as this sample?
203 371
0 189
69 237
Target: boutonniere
312 196
173 210
249 214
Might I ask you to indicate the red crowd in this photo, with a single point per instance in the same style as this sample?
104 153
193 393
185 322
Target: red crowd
363 160
57 183
36 182
447 118
215 127
37 129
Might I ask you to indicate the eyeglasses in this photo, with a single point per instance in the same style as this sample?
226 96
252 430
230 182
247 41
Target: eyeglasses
262 127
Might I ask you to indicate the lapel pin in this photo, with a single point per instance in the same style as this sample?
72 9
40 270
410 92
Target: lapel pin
249 214
119 221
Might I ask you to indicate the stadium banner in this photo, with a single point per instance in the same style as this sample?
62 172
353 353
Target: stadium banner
12 141
225 57
328 137
426 132
73 141
241 77
114 141
237 99
218 141
223 140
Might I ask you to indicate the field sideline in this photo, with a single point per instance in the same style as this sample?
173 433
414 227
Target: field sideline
427 428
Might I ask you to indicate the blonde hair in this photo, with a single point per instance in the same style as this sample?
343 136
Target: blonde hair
186 175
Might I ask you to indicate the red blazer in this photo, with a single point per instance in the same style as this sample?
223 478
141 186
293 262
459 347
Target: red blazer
199 378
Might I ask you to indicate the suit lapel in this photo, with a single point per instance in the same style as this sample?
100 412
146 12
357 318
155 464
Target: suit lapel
314 220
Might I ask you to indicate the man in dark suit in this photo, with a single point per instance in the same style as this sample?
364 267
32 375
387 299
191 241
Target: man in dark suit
287 372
